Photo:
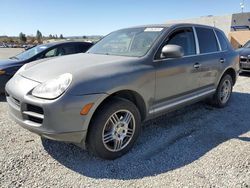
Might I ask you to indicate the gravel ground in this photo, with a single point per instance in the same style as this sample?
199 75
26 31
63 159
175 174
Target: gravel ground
198 146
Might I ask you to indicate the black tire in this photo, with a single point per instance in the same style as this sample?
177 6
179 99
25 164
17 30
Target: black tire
101 119
217 101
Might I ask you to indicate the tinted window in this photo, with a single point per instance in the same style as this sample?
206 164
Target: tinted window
83 47
207 40
223 40
66 50
185 39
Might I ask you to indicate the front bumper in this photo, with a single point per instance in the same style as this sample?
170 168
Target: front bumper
57 119
245 66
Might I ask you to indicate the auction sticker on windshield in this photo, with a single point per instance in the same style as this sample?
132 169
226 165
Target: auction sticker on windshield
153 29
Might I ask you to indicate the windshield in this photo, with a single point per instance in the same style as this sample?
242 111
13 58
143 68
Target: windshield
247 45
133 42
31 52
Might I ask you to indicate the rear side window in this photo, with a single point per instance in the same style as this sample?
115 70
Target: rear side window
207 40
185 39
83 48
222 40
66 50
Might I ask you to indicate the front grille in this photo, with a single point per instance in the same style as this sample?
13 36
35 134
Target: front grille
35 119
244 59
34 114
35 109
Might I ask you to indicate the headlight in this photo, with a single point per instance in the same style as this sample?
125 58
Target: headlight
53 88
21 69
2 72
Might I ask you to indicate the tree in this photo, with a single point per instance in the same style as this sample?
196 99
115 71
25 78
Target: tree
50 36
39 36
61 36
84 37
22 37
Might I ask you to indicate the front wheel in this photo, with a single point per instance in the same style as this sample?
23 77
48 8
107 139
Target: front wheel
114 129
223 92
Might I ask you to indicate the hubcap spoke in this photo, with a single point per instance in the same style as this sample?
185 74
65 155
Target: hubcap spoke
129 132
127 118
114 119
118 144
108 137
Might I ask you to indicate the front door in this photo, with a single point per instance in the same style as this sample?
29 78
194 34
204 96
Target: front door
177 77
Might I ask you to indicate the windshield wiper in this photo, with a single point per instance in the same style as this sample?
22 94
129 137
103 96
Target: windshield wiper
14 57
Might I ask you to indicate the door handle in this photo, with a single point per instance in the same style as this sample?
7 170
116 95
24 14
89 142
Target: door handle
222 60
197 65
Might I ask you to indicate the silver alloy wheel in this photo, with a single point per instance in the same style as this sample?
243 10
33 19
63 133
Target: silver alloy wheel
225 91
118 130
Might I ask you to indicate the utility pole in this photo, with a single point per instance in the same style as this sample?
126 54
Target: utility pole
242 6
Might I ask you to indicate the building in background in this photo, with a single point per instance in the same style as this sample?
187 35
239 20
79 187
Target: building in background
235 26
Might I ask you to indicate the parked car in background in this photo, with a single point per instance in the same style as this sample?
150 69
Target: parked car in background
10 66
244 53
99 99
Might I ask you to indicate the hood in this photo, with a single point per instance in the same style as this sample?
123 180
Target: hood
8 63
244 52
77 65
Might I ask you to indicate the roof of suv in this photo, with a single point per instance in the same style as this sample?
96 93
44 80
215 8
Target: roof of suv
175 25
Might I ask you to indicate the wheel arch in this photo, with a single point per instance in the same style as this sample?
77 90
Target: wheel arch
131 96
231 71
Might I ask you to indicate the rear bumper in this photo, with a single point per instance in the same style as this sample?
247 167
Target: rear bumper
57 119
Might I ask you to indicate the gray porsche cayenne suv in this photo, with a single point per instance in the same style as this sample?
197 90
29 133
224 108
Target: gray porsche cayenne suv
98 100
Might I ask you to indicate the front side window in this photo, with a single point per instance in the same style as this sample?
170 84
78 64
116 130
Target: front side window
51 53
207 40
185 39
223 41
134 42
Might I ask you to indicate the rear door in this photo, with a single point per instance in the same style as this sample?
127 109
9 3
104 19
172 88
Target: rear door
210 57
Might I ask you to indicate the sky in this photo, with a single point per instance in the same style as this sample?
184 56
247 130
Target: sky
100 17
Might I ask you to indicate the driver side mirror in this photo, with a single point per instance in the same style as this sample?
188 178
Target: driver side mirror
172 51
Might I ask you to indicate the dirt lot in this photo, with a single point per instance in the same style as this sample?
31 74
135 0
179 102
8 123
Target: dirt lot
9 52
198 146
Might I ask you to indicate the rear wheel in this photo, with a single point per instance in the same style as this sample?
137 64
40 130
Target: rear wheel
114 129
223 92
